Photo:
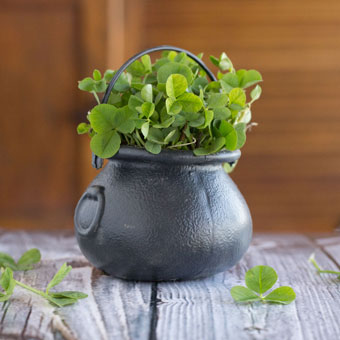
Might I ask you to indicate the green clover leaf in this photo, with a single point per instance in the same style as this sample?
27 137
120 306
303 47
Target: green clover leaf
174 96
176 85
259 280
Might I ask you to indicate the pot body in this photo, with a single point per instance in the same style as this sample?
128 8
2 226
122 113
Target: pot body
144 218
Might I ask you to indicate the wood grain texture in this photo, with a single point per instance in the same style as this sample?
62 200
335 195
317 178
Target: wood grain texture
197 310
205 310
114 309
47 46
37 139
289 170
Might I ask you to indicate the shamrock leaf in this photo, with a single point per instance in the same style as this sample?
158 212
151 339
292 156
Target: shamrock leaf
176 85
124 120
146 61
174 68
221 113
102 118
97 75
135 102
237 99
173 106
259 280
69 294
156 136
106 120
240 129
223 62
59 276
146 93
92 85
7 261
209 116
105 145
229 133
199 84
7 283
28 259
145 129
83 128
243 294
25 262
283 295
171 136
147 109
190 102
229 81
248 78
255 93
153 147
165 124
217 100
216 145
61 299
136 69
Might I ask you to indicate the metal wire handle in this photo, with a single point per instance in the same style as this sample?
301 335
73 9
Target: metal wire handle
97 162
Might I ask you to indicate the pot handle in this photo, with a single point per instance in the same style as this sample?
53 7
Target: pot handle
87 223
97 162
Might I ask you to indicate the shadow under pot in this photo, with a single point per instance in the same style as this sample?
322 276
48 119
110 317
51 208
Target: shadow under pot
171 216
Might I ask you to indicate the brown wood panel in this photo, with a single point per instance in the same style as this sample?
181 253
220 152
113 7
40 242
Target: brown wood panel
37 146
290 168
46 46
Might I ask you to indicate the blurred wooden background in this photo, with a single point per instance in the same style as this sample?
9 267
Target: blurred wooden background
290 168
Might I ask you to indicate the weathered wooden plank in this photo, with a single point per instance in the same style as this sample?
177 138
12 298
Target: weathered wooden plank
331 246
115 309
205 310
124 307
53 245
202 309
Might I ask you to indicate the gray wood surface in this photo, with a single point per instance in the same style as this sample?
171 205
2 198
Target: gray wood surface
192 310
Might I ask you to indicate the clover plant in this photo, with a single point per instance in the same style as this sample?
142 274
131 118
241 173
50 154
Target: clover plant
26 262
259 280
171 104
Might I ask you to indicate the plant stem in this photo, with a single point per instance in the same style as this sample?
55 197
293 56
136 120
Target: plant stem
136 141
127 140
96 96
328 272
139 138
36 291
182 138
313 262
321 271
185 144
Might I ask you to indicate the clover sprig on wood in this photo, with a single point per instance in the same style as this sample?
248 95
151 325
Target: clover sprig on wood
259 280
171 104
320 270
26 262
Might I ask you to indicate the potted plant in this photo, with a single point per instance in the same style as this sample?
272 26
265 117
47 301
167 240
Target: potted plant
164 208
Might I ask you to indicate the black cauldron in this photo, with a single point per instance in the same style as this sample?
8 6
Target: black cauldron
171 216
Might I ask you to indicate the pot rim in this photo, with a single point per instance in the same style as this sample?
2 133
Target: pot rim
168 156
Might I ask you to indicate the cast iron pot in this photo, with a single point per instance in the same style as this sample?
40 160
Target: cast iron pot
171 216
